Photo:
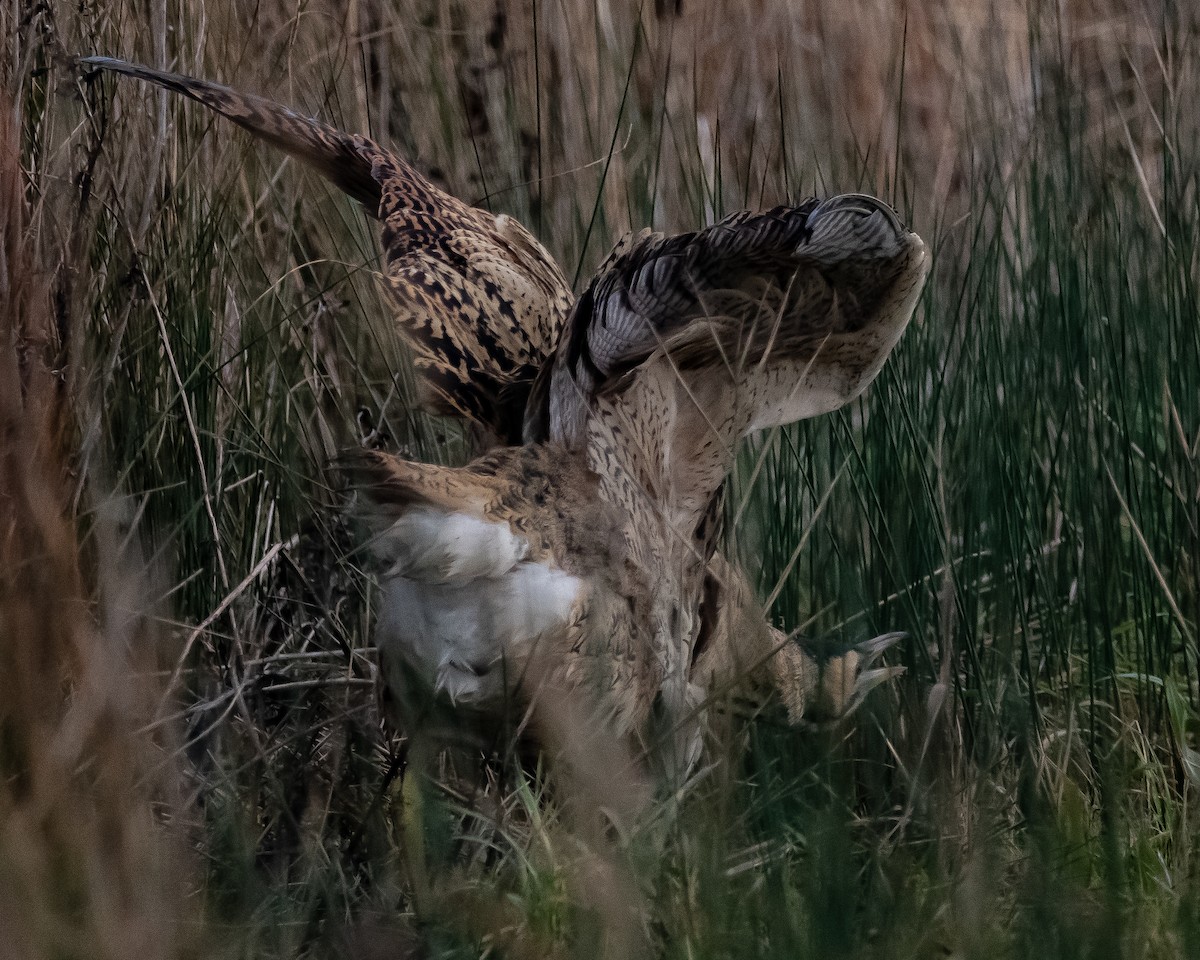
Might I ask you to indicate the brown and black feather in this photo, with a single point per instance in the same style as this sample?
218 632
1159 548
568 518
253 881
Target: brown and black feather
479 300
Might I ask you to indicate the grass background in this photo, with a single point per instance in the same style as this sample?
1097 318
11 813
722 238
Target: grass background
192 763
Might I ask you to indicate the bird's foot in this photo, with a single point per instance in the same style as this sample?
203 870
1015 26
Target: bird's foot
823 682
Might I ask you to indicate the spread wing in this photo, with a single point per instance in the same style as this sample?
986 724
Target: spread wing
680 346
479 300
796 308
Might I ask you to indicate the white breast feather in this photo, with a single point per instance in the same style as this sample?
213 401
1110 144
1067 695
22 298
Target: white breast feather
437 547
461 604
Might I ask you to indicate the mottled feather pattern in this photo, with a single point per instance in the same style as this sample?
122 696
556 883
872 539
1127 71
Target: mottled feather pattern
478 299
807 283
662 283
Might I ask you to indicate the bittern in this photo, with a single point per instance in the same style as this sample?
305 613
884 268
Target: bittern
580 550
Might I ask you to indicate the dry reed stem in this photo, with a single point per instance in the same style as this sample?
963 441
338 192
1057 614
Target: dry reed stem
769 100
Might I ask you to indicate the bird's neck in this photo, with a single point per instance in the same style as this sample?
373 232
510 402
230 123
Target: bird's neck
662 450
662 457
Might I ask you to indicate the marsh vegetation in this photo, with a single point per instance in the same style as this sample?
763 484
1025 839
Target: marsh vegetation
191 758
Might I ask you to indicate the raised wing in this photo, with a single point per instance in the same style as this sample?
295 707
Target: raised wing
796 308
478 299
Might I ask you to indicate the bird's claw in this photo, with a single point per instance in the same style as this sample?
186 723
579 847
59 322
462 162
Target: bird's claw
845 678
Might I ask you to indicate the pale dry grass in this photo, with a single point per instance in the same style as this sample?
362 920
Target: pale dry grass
687 110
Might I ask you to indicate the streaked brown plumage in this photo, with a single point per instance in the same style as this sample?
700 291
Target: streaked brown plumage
479 300
590 548
551 503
